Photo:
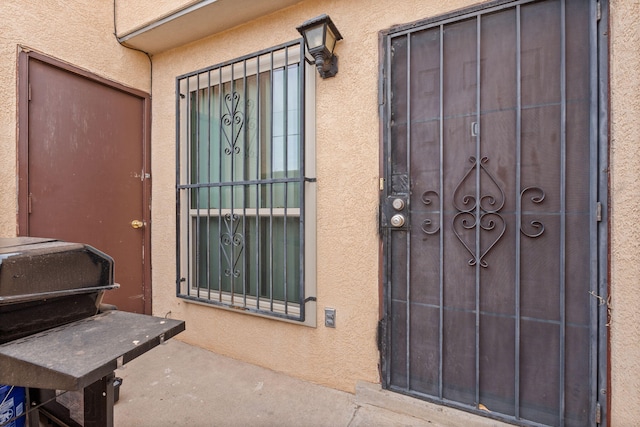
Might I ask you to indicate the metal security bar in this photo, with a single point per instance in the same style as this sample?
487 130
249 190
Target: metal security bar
241 183
491 153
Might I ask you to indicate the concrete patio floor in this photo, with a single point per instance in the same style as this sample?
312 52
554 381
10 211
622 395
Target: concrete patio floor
177 384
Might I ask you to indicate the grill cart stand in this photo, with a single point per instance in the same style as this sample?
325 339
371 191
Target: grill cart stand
69 370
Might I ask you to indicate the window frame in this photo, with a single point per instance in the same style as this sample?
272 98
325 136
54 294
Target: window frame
303 309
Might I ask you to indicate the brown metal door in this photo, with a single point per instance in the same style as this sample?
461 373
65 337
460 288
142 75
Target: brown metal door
489 212
82 169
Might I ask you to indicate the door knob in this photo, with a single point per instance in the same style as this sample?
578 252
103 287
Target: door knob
136 223
397 220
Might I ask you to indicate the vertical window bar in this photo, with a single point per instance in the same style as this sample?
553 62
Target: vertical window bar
518 199
221 188
208 263
196 170
408 266
258 177
441 265
246 155
197 189
179 191
563 204
271 157
302 174
187 176
232 132
192 270
478 209
285 108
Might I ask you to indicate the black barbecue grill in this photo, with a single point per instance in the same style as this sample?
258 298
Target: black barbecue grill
57 340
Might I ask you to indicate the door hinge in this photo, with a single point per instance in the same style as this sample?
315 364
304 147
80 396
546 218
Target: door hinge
598 211
598 11
29 91
29 204
381 184
598 414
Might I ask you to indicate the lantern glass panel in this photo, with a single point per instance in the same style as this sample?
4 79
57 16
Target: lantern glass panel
331 40
314 37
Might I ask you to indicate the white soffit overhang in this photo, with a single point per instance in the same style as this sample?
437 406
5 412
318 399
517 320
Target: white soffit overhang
198 21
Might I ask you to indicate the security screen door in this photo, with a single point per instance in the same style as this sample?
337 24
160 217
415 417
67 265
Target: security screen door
490 211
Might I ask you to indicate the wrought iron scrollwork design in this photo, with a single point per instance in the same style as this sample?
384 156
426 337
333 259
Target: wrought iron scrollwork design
231 244
534 228
429 226
232 122
482 215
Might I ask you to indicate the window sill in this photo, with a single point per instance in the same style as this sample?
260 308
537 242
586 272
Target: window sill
310 311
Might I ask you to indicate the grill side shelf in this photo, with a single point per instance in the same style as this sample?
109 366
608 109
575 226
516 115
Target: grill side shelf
75 355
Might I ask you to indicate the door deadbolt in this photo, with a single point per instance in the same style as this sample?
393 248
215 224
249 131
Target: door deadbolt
136 223
397 220
398 204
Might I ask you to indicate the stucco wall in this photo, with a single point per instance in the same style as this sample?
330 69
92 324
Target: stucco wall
625 208
347 162
79 32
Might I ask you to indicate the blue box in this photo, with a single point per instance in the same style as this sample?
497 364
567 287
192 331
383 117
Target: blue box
12 405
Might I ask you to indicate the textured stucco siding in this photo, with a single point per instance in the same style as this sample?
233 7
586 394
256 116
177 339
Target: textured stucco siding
625 210
79 32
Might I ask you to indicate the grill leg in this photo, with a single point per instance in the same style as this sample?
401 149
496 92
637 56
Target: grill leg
98 402
91 407
33 416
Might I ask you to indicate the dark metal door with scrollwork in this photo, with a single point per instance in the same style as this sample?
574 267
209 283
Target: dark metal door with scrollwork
489 211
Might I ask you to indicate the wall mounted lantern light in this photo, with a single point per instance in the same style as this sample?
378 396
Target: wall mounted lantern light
320 35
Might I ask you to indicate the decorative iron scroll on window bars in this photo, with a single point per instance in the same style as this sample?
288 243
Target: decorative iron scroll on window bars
232 242
229 241
232 122
483 214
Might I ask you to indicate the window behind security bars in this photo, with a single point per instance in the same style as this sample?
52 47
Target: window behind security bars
241 183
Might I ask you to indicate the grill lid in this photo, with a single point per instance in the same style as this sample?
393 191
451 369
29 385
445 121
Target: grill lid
34 269
45 283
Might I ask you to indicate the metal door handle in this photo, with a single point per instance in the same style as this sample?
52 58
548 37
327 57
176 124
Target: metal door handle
136 223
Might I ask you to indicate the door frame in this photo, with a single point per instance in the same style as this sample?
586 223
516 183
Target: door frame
25 55
599 128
